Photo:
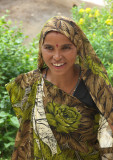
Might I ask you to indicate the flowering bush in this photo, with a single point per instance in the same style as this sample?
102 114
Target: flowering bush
98 27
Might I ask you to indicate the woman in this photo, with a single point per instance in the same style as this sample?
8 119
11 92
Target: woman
58 105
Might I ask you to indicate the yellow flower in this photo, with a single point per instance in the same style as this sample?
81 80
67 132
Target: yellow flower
111 10
110 32
81 10
111 40
88 10
90 15
81 21
97 13
94 35
109 21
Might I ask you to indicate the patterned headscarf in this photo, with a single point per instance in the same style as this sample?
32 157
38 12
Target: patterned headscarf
87 56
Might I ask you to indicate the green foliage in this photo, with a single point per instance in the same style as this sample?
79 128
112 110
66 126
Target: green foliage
8 123
15 58
109 5
98 27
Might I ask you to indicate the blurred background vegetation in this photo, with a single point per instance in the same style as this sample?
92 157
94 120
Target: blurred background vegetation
17 58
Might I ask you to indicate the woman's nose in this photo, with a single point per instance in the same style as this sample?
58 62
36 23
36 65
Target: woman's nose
57 55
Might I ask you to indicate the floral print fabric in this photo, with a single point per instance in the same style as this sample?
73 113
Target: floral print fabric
55 126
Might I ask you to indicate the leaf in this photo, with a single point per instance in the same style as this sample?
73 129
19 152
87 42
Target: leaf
4 114
7 145
10 139
14 122
1 121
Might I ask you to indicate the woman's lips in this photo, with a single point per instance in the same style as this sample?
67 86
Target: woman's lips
58 65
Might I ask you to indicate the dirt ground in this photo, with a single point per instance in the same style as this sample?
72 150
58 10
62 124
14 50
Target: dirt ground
34 13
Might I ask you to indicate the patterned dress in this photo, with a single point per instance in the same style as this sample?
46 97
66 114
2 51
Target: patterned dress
53 124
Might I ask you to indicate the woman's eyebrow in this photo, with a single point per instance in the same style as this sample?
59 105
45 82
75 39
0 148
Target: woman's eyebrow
67 44
47 45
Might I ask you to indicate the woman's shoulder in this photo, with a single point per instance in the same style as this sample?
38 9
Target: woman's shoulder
21 85
27 79
24 80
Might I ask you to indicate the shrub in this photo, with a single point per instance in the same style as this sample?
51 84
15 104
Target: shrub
15 58
98 27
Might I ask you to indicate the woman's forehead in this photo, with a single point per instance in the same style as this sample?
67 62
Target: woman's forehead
58 37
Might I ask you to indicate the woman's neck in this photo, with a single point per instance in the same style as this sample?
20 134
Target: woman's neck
65 82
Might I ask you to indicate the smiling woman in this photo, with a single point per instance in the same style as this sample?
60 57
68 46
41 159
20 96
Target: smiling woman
59 104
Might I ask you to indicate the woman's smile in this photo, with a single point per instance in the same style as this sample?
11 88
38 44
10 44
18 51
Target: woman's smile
58 66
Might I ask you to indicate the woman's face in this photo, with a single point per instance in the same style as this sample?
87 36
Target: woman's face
59 53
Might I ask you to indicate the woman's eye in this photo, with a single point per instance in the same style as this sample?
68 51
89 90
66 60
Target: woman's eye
48 47
66 47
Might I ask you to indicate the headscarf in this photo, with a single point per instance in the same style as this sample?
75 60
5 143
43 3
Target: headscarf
97 81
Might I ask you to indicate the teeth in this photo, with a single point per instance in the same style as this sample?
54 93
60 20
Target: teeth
58 64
